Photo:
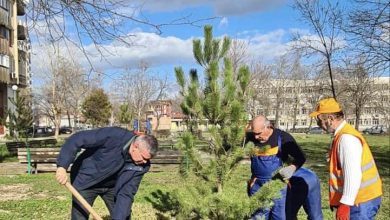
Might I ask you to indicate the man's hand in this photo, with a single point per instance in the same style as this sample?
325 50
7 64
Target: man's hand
61 175
343 212
287 172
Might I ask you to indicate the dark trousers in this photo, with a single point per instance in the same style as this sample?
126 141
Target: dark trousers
305 191
107 194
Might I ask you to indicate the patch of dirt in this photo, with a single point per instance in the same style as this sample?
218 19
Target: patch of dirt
4 211
14 192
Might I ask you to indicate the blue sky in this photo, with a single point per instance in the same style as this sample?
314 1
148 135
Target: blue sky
265 24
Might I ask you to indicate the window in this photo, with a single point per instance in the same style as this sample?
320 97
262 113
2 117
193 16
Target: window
4 32
304 111
375 121
4 60
4 4
303 122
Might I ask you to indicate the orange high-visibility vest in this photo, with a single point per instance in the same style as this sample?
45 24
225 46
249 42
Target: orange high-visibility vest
371 184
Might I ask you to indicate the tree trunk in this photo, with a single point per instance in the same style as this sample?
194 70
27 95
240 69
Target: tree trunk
69 123
357 115
331 76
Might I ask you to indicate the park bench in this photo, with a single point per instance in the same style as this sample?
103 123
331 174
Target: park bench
52 142
166 144
14 145
39 156
166 160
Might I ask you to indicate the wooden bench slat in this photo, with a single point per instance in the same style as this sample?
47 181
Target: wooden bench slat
49 155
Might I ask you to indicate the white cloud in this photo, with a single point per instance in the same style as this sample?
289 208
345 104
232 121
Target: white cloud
154 49
224 22
315 42
160 51
265 46
221 8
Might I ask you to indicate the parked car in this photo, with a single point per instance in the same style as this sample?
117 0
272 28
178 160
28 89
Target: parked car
378 129
66 130
41 132
315 130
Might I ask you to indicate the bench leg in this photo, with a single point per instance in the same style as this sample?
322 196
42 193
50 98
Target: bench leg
36 168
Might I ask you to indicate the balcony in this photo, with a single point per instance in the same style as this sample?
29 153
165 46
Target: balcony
23 81
22 31
20 8
4 46
24 45
4 17
4 75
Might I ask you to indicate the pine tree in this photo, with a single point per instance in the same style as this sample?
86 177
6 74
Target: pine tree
125 114
96 108
222 103
210 188
21 119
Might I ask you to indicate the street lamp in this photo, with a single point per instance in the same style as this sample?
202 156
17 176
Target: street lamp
14 88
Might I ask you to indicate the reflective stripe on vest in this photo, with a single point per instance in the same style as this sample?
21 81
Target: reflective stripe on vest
364 168
371 184
362 185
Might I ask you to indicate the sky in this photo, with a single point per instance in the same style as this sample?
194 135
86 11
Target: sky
265 25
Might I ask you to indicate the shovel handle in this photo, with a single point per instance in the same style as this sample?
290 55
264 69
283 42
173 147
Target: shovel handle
83 202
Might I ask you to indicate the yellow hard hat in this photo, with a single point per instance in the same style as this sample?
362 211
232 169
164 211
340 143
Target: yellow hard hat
329 105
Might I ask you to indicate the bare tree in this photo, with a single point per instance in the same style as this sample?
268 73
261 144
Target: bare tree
52 97
268 85
76 85
64 84
325 20
238 53
260 101
299 77
359 88
278 86
138 88
369 26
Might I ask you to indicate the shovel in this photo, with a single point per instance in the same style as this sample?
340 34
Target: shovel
83 202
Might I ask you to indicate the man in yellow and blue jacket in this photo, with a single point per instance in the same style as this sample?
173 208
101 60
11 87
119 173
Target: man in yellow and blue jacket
272 148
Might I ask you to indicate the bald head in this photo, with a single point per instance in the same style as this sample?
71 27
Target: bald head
260 122
261 128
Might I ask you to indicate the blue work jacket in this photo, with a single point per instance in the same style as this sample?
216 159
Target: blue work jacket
105 155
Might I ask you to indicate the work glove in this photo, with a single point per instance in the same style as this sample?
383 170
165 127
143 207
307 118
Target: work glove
343 212
287 172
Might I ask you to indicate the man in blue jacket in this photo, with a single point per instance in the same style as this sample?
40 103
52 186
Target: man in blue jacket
111 166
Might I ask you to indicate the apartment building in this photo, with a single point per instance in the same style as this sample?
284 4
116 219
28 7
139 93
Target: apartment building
14 54
295 99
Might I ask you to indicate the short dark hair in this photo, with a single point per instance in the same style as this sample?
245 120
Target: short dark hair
151 143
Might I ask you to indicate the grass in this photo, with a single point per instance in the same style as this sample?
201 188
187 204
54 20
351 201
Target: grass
41 197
